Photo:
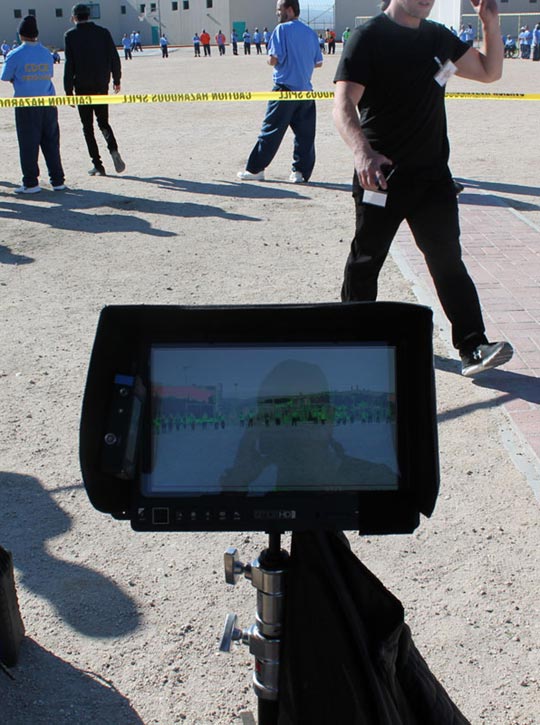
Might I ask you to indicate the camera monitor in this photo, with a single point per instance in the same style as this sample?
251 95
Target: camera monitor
271 418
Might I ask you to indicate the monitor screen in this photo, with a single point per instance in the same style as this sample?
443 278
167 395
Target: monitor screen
256 418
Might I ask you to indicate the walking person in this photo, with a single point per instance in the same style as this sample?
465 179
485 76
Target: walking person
37 126
91 59
390 111
294 53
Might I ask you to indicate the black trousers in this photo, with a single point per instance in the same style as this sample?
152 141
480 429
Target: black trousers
37 128
431 210
101 113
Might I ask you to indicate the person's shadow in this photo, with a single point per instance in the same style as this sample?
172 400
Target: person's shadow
46 689
514 386
9 257
84 598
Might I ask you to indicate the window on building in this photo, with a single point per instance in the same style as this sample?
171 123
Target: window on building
142 8
174 6
209 3
185 4
95 11
123 10
153 7
17 13
59 13
32 11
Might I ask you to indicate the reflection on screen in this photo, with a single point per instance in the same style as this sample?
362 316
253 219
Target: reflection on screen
257 419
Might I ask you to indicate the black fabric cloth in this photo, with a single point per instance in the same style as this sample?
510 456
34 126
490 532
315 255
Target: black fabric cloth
91 59
347 656
402 109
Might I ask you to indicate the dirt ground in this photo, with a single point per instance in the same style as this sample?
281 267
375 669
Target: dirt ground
124 627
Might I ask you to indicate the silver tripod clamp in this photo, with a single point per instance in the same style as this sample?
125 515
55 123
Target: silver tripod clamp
263 637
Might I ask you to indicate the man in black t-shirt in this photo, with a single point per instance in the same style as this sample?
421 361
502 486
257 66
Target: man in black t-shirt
389 109
91 59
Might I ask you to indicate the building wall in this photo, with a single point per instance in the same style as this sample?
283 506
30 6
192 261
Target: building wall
122 16
347 10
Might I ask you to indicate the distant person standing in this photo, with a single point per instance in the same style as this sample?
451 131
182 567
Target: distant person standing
234 41
138 46
535 47
246 37
37 127
197 45
331 41
205 42
257 40
5 49
345 36
126 45
164 45
294 53
220 41
91 59
266 38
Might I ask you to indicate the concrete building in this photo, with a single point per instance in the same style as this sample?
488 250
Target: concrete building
178 19
514 13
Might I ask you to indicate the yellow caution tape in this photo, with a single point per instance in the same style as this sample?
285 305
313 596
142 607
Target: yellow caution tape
220 97
497 96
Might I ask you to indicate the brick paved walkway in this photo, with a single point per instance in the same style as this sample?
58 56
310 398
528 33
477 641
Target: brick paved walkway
502 253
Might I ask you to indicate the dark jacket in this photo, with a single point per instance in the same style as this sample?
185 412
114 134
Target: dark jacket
347 655
91 59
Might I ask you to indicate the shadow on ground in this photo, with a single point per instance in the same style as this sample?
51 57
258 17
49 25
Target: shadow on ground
84 598
46 689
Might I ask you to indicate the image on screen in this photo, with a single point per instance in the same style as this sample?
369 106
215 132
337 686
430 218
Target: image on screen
257 419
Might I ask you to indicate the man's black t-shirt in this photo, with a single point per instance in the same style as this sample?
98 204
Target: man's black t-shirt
402 108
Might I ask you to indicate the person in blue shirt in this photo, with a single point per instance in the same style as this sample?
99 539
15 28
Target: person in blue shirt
5 49
294 53
234 41
535 47
246 37
266 38
126 45
30 69
257 39
164 45
197 45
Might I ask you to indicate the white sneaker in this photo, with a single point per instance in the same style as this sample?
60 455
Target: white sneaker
248 176
28 190
60 187
296 178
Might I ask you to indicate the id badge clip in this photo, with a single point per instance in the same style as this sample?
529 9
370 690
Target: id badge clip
378 198
445 72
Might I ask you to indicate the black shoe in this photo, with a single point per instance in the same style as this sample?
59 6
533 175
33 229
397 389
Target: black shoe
458 187
484 357
119 165
97 171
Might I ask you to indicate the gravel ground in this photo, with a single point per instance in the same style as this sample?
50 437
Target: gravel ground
123 627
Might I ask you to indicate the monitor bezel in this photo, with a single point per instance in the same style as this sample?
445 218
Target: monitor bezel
125 335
